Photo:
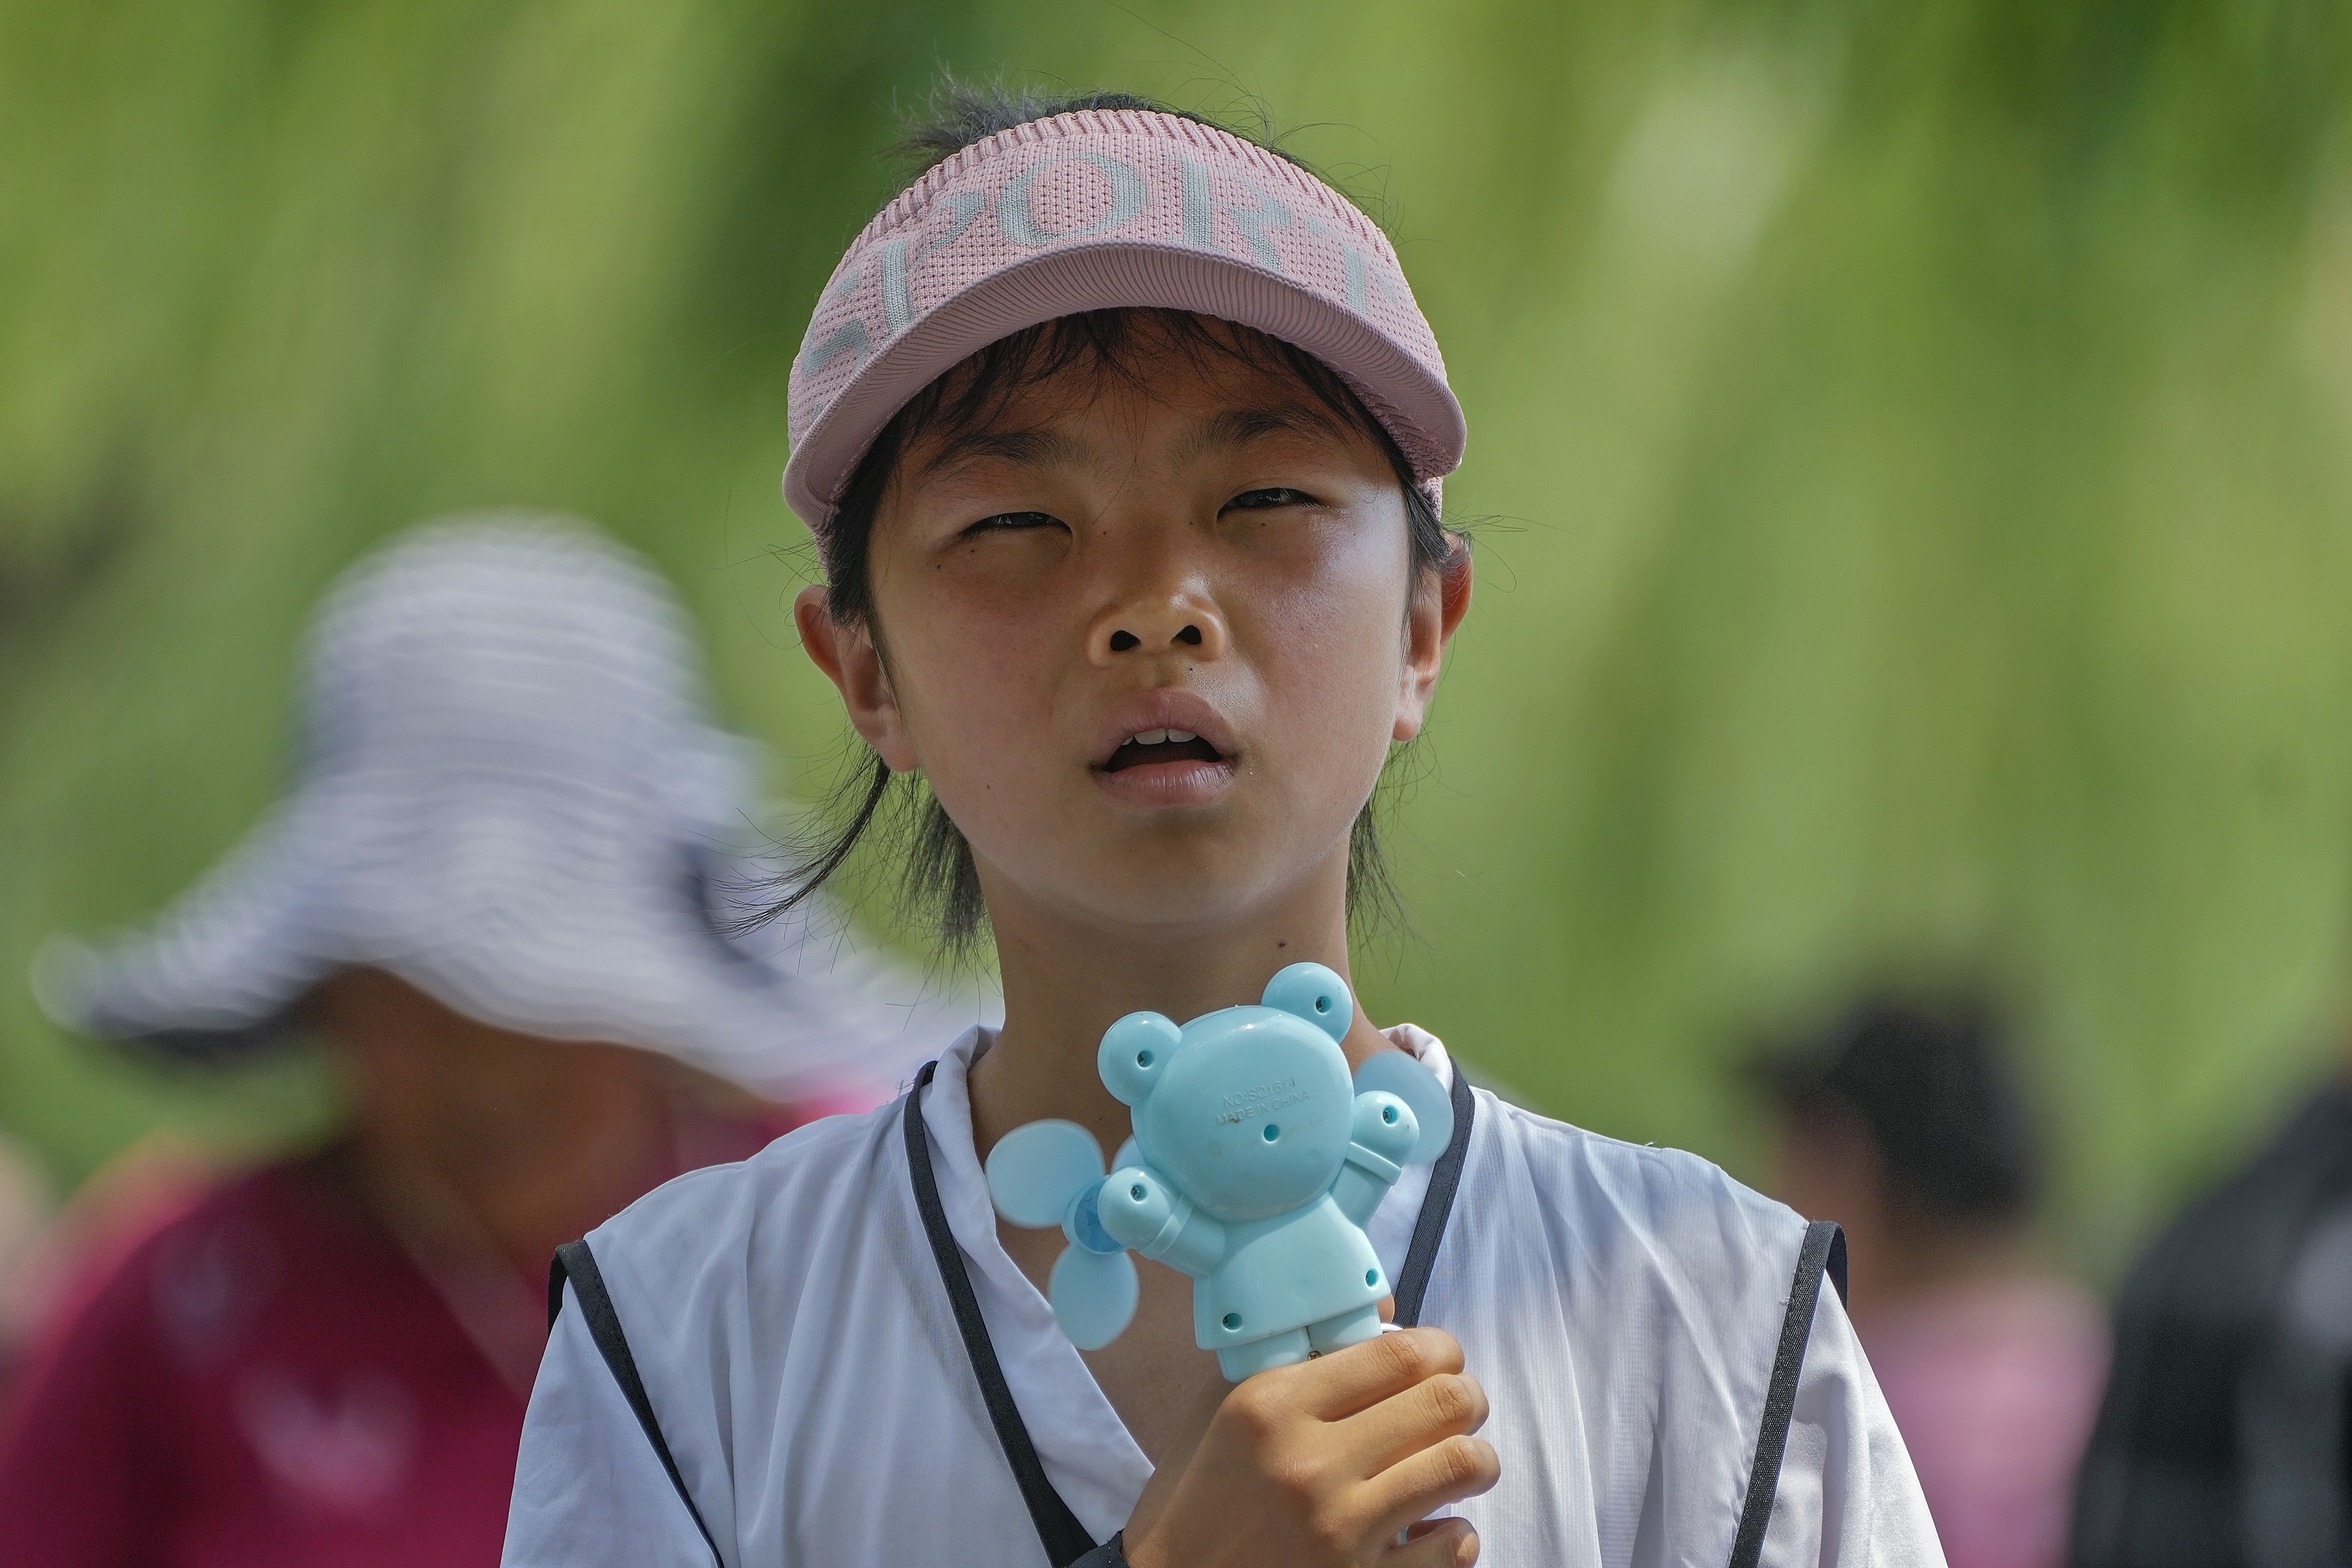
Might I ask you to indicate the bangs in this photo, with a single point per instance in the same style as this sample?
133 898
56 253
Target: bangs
1130 348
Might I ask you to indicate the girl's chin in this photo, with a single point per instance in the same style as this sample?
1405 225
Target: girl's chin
1150 786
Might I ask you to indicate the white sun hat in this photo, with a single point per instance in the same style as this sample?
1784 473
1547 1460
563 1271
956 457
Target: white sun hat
509 797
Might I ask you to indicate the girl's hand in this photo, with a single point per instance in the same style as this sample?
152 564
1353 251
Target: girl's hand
1325 1463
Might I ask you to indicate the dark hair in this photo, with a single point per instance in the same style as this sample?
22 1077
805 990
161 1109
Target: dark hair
938 873
1931 1082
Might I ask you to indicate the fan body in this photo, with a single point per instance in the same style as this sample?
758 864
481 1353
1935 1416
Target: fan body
1255 1161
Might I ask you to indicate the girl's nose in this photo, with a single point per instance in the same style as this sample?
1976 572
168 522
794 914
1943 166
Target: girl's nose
1182 624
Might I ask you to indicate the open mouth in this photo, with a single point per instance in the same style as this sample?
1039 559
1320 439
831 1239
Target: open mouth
1162 746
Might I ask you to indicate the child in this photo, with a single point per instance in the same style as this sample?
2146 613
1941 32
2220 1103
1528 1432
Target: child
1121 438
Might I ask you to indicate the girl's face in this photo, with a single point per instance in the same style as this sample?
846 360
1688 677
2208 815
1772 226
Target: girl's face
1149 646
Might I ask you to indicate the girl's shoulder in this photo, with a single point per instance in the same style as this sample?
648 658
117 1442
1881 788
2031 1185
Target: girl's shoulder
1635 1182
1624 1218
726 1222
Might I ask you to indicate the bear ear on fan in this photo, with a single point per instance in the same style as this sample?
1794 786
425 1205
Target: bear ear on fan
1311 992
1134 1053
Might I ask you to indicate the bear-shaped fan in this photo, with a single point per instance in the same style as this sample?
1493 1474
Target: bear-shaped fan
1255 1161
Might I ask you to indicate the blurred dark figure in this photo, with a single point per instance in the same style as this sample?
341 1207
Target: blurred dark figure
498 891
1904 1123
2225 1439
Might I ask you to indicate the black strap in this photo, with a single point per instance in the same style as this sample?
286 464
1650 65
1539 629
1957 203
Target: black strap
1824 1251
1064 1538
576 1262
1436 1206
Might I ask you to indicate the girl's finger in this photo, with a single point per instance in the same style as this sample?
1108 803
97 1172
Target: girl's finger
1429 1412
1417 1486
1337 1385
1440 1543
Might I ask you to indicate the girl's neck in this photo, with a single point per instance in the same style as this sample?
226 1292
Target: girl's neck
1068 979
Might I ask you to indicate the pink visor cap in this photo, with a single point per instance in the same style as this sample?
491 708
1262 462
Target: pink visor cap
1099 210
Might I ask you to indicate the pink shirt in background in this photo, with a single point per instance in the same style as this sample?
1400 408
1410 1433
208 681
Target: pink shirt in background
1994 1385
269 1377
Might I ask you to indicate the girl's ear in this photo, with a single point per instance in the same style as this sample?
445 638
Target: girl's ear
853 663
1439 599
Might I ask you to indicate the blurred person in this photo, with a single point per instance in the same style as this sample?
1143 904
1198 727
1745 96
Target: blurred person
1904 1121
498 892
2225 1437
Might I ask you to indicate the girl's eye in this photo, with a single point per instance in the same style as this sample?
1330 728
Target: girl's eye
1258 500
1011 522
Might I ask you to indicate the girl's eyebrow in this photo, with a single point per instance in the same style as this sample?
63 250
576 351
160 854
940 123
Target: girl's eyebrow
1239 426
1041 449
1031 448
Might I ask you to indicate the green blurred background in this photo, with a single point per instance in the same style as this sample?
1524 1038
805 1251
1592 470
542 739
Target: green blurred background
1916 441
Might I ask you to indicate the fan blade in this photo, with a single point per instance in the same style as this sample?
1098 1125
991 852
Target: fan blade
1406 1078
1035 1169
1093 1295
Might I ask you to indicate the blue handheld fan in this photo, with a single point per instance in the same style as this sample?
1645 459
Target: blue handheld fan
1257 1158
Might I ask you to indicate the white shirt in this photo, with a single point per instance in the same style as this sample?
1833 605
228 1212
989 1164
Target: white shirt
1621 1306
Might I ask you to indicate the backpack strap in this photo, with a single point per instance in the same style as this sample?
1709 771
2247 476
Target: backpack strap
1823 1252
1065 1540
1436 1207
576 1262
